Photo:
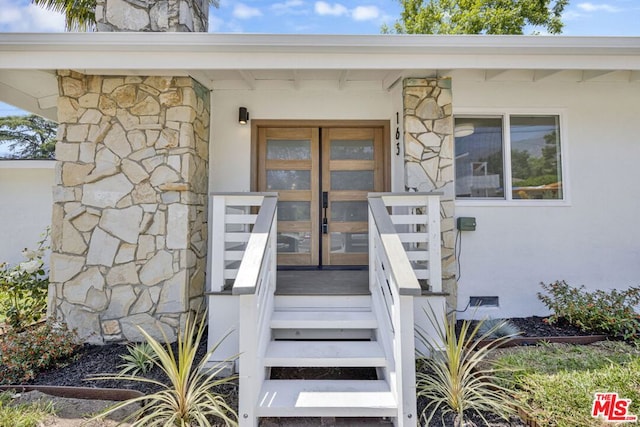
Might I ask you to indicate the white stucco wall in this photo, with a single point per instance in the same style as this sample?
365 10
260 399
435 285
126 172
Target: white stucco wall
594 239
230 153
25 205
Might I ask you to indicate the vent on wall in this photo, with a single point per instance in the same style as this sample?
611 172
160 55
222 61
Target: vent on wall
484 301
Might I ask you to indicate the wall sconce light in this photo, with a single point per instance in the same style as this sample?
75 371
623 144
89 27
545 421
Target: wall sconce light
243 115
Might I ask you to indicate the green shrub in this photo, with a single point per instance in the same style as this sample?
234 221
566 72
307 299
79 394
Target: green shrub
459 378
24 354
24 288
611 313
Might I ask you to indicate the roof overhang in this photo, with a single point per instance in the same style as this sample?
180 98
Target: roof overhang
232 61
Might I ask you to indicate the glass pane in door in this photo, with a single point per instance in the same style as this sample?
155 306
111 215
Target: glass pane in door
294 211
352 150
349 242
288 149
352 180
288 180
349 211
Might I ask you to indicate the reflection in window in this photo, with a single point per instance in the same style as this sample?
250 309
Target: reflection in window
535 157
479 158
349 242
533 143
291 242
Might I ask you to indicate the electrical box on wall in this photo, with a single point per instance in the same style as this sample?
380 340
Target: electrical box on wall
466 223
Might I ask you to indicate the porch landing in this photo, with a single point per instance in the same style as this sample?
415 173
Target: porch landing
322 282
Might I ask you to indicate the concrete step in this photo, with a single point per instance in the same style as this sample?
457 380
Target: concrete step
320 398
324 354
323 320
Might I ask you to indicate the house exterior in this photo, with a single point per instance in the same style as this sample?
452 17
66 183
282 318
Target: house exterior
533 139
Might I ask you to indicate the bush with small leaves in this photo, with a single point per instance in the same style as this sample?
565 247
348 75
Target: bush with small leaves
606 312
24 288
24 354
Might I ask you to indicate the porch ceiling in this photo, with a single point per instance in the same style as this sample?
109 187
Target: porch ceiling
253 62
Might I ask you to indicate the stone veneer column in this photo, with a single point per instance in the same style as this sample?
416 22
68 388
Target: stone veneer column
129 217
152 15
428 148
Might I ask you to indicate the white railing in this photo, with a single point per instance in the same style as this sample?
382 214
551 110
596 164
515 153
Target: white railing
401 247
247 257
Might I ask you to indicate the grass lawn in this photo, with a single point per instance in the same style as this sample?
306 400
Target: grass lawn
24 415
556 383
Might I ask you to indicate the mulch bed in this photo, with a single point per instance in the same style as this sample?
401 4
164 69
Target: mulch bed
92 360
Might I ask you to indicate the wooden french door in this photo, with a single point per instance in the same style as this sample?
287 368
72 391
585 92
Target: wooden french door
322 176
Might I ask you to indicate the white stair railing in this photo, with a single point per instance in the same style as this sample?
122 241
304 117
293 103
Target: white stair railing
402 246
247 256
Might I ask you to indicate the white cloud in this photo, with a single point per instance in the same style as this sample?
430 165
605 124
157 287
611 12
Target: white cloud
365 13
242 11
590 7
26 17
288 7
323 8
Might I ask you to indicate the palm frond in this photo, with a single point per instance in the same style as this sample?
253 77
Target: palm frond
80 15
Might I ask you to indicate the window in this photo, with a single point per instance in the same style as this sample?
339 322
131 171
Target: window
508 157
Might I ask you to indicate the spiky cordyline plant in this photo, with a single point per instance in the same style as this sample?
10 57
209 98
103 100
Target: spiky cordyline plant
190 398
457 379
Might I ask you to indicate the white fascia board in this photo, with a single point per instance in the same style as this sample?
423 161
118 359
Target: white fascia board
161 51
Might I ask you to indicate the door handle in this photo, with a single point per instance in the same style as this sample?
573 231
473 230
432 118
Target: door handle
325 206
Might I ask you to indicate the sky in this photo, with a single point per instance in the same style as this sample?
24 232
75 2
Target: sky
581 18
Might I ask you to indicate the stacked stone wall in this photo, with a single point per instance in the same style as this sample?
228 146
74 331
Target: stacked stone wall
428 148
152 15
129 217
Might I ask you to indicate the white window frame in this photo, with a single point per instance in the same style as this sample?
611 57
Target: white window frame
505 114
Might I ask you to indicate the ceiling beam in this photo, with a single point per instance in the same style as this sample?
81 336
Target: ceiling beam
443 73
493 74
594 74
539 75
391 79
634 76
248 79
47 102
342 80
203 78
296 79
26 102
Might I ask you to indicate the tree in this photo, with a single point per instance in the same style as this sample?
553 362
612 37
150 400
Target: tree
29 137
478 16
80 15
